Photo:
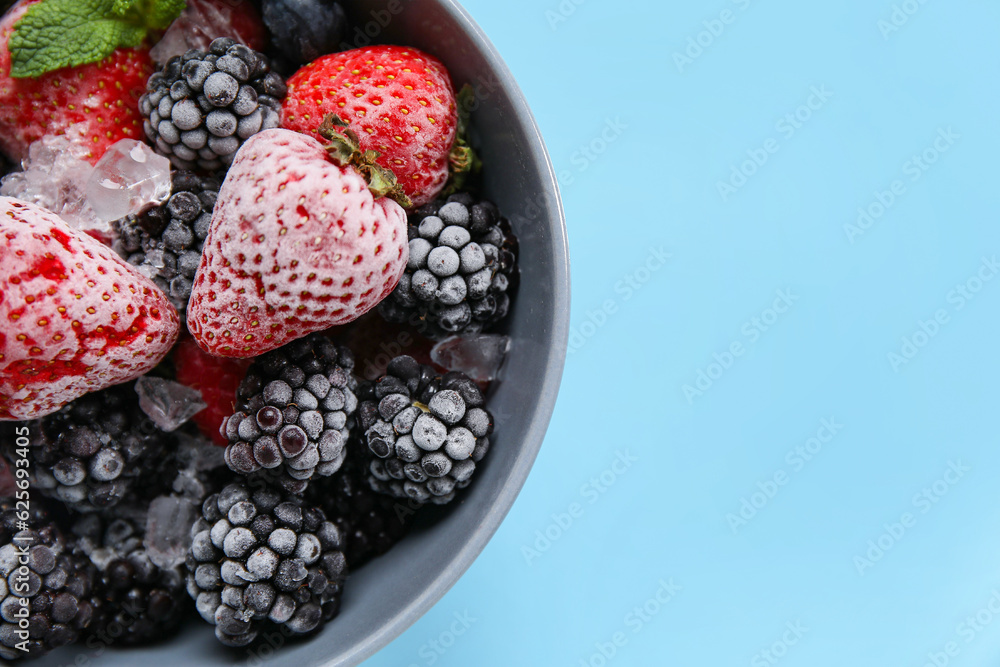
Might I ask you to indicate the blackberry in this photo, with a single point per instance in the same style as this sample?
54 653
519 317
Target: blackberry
166 241
140 601
191 468
294 412
262 557
304 30
370 522
427 433
461 270
56 582
201 107
93 451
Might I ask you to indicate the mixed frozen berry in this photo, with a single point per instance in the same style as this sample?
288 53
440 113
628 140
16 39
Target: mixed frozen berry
262 557
56 582
461 269
201 107
425 433
178 376
94 451
165 241
294 415
140 600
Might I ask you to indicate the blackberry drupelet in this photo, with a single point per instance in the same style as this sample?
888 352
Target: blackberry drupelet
294 413
141 603
370 522
427 433
165 242
93 451
461 271
262 557
201 107
58 586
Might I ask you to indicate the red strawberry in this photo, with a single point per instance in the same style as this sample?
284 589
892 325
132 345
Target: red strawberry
100 99
76 318
397 99
217 378
297 244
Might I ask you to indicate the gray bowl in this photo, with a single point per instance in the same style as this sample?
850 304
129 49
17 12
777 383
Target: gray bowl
389 594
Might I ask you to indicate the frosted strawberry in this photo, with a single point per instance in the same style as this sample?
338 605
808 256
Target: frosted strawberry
298 243
217 378
397 99
76 68
76 318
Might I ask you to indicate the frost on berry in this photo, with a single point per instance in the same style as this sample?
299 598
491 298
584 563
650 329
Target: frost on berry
297 245
76 318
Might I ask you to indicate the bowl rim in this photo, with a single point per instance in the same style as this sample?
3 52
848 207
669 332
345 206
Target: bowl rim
399 622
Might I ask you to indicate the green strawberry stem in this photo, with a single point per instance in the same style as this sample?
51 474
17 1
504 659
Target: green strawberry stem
462 161
345 149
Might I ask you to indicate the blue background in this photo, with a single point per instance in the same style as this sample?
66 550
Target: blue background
846 551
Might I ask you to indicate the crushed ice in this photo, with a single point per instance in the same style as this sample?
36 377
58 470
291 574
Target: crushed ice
477 355
168 530
128 179
169 404
196 455
55 177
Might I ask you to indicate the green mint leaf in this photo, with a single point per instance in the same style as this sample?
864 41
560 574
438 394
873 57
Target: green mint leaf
65 33
61 33
162 13
122 8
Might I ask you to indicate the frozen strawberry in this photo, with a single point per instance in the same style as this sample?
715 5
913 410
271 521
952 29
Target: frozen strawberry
297 244
217 378
397 99
76 318
97 103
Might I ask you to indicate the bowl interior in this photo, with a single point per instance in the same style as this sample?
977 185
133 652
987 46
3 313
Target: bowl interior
387 595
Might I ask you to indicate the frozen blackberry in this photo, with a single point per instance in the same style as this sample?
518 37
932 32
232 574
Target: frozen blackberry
461 270
56 582
427 433
141 602
261 557
91 452
370 522
304 30
201 107
294 412
165 241
192 469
